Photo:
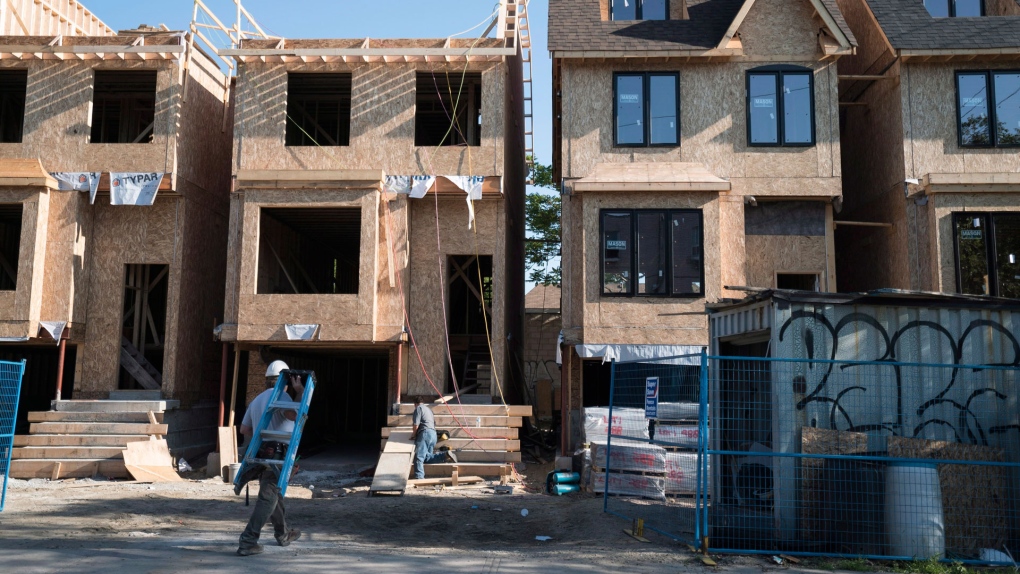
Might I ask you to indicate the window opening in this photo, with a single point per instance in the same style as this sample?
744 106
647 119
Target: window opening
123 106
143 327
780 107
646 109
955 8
13 86
639 10
987 249
641 243
988 108
797 281
315 250
468 323
10 244
436 122
318 109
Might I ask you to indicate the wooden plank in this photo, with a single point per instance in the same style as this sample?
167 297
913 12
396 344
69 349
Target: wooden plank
153 473
77 440
56 471
227 442
473 468
418 482
394 464
473 410
443 421
475 432
62 452
476 444
73 417
488 456
96 428
43 468
150 460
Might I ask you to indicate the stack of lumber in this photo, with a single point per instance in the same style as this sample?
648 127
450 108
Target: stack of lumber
484 437
79 439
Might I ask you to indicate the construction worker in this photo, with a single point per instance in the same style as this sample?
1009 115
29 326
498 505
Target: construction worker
424 436
269 505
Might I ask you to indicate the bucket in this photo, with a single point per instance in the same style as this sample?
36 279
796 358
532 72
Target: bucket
232 471
913 511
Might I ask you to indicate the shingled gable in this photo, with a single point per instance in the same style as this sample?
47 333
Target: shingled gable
576 26
907 25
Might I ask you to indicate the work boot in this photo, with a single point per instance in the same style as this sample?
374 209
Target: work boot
250 550
451 457
292 535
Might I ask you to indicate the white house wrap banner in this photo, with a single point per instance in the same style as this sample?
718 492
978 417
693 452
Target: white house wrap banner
134 188
78 181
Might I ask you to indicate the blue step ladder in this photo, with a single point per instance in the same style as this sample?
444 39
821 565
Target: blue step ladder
278 401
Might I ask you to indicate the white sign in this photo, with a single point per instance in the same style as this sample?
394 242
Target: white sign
134 188
616 244
763 102
651 397
630 98
970 234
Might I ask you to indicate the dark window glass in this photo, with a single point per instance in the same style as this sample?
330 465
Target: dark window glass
654 9
651 236
13 84
318 109
973 105
1007 108
123 106
967 8
662 93
937 8
630 109
798 281
797 109
617 249
1007 255
972 253
763 101
10 244
687 253
624 9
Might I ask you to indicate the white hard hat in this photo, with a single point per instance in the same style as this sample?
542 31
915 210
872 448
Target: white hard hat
275 368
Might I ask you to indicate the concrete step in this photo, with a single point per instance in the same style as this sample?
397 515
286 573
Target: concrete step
136 395
69 468
113 406
473 410
89 417
66 452
70 440
443 421
467 433
467 469
96 428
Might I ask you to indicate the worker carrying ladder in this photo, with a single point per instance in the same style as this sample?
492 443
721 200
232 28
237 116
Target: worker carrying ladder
280 447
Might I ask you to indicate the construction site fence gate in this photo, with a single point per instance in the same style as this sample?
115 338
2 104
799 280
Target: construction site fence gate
816 457
11 374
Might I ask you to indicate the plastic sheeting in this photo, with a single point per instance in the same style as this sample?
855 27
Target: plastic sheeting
78 181
629 455
626 421
631 485
682 354
677 435
134 188
296 332
681 472
54 328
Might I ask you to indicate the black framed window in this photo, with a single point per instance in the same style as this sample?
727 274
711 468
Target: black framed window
955 8
988 108
987 248
780 106
646 109
639 10
652 253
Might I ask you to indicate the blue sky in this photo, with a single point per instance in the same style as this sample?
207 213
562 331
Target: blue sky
355 19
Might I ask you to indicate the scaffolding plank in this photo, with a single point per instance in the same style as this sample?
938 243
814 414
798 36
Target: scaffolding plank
394 464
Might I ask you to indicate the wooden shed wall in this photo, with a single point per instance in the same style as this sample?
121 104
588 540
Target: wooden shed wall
382 122
429 274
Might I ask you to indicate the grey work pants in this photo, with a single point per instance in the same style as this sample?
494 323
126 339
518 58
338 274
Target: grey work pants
268 507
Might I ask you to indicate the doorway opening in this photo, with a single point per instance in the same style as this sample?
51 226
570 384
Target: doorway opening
143 327
469 290
10 244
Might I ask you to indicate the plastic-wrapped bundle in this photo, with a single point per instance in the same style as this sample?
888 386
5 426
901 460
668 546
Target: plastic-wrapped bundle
682 472
631 485
677 411
629 455
626 422
680 435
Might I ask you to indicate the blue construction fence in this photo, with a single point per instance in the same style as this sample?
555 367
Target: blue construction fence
11 374
813 457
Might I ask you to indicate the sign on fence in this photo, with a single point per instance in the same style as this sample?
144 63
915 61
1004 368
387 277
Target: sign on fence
651 397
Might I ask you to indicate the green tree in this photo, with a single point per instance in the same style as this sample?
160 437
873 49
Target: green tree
542 227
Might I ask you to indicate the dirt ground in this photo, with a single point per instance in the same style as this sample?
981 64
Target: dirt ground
333 507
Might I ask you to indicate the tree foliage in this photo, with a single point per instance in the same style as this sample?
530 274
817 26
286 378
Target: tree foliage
542 225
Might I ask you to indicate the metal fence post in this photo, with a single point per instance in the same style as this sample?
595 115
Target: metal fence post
702 478
609 435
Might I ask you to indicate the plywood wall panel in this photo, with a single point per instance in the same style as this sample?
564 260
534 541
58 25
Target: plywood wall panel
799 37
784 253
16 307
392 254
60 269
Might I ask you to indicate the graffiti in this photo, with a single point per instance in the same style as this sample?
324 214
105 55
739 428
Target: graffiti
953 386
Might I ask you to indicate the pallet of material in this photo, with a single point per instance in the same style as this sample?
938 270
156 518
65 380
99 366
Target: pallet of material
682 472
677 411
470 468
653 487
683 436
80 468
626 422
629 455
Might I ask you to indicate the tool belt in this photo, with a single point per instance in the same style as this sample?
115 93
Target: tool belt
272 450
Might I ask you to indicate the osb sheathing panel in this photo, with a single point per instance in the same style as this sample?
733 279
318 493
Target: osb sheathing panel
382 122
929 95
945 205
871 44
572 261
64 254
1002 8
858 269
732 244
19 309
649 320
57 118
129 235
769 254
262 317
797 21
205 135
235 234
712 128
393 253
430 272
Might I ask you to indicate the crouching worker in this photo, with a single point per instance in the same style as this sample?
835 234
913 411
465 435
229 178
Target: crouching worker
424 436
269 506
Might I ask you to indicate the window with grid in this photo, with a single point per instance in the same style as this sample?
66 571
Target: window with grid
988 108
652 253
318 109
780 106
123 106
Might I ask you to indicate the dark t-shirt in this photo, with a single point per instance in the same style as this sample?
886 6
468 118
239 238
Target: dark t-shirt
423 417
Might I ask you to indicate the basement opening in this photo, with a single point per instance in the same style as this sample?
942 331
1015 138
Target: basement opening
143 327
318 109
438 95
13 86
123 106
10 244
309 250
469 288
798 281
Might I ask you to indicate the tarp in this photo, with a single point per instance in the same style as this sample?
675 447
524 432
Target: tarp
54 328
134 188
297 332
683 354
78 181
